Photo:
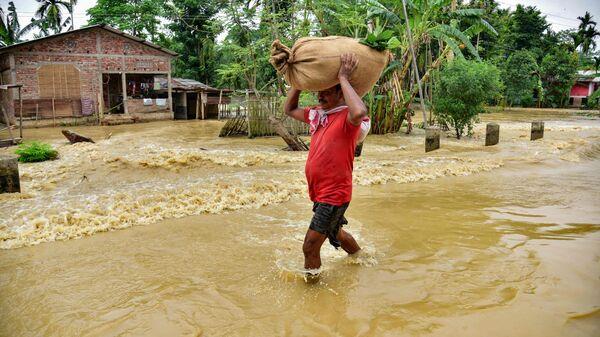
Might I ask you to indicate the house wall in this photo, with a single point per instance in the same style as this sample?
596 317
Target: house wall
580 89
92 52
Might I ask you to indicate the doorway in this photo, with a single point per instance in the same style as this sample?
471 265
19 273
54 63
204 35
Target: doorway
112 90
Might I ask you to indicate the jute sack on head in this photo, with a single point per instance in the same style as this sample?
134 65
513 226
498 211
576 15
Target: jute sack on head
313 63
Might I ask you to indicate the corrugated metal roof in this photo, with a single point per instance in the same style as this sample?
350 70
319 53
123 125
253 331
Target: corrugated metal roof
588 76
192 85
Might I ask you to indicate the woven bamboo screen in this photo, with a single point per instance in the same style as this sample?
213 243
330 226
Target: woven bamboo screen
58 81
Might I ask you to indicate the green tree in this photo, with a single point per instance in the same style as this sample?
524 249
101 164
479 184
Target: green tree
519 73
527 27
139 18
194 30
463 87
558 71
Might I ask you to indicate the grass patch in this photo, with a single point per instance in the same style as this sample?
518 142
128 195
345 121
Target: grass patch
35 152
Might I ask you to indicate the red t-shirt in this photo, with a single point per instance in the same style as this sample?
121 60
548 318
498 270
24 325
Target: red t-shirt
330 159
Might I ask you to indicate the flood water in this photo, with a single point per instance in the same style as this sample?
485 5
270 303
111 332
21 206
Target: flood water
464 241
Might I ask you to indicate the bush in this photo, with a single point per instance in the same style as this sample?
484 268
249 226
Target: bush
594 100
462 89
35 152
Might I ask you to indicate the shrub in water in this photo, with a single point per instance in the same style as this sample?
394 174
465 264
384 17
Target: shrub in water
462 89
36 151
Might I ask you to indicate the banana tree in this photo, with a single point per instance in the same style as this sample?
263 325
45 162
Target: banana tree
433 24
10 30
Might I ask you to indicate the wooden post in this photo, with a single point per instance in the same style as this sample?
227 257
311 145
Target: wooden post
170 94
66 80
197 104
100 107
202 95
53 113
101 99
5 115
124 90
219 106
20 114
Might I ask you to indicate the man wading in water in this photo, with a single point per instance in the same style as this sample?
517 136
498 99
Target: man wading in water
334 126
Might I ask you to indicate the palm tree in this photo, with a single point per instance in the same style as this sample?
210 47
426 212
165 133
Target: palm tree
586 21
49 15
586 33
589 37
10 30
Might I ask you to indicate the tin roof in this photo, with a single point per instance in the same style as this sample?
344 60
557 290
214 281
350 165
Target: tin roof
588 76
100 26
186 84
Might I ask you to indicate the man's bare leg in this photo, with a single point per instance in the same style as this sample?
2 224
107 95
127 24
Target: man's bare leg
312 249
348 242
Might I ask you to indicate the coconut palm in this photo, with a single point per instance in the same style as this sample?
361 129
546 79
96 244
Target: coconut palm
49 15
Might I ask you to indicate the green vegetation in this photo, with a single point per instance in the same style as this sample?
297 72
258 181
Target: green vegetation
594 101
381 40
558 70
140 18
10 29
35 152
461 91
520 74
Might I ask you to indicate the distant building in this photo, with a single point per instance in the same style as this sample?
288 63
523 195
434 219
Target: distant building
92 72
588 82
196 100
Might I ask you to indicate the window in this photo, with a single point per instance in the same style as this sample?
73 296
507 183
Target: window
58 81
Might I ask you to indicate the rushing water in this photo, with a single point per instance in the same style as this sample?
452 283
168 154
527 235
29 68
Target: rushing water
464 241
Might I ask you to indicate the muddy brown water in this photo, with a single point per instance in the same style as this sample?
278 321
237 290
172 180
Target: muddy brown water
465 241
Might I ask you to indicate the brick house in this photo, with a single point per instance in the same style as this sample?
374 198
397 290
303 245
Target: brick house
96 73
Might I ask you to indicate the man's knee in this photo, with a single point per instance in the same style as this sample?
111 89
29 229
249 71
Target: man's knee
312 244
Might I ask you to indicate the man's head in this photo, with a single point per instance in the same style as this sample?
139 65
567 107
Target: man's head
330 98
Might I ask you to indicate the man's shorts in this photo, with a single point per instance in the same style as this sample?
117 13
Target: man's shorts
328 219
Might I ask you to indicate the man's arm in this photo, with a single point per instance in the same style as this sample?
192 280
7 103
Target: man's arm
356 107
291 105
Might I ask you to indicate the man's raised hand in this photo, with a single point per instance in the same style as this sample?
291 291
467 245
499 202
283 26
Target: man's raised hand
348 62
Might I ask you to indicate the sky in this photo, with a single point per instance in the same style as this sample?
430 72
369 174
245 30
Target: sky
562 14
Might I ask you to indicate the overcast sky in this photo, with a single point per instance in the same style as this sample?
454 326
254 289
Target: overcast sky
562 14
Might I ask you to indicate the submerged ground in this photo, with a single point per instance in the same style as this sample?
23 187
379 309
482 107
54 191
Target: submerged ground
463 241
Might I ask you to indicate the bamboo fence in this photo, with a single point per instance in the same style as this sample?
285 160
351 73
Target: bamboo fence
258 111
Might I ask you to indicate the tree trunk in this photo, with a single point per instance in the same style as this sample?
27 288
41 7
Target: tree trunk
75 138
293 141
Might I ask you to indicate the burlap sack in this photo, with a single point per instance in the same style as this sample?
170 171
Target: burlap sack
313 63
